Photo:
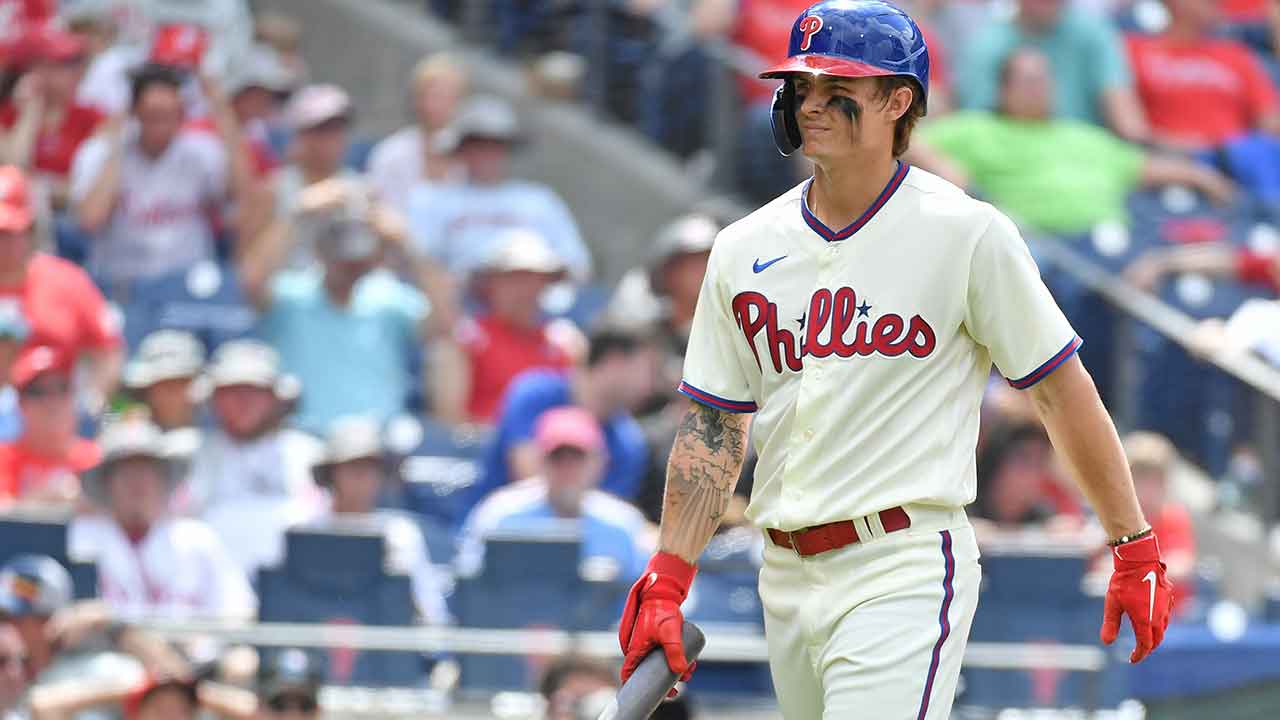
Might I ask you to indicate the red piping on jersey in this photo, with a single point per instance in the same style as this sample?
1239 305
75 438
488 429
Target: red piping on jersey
1049 365
944 622
831 235
706 398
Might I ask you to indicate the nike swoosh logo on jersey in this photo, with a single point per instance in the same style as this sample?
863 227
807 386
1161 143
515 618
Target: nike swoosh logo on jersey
758 267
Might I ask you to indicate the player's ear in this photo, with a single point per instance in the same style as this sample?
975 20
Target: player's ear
899 101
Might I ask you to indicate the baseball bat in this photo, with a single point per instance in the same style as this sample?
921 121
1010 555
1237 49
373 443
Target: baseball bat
641 694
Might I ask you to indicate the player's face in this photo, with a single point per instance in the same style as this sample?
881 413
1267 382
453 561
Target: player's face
13 666
842 119
356 485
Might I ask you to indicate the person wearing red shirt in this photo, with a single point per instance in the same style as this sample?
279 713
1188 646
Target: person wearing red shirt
42 465
1199 90
44 125
17 17
60 303
1217 260
510 335
1152 459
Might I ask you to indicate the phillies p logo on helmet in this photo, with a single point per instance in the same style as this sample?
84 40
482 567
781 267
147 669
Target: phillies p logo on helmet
809 26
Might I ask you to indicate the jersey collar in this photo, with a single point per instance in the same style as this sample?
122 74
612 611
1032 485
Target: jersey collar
832 235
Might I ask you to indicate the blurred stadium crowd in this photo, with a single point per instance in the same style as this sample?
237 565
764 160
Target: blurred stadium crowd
226 320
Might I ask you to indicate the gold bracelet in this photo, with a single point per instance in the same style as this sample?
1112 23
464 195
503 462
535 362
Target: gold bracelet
1130 538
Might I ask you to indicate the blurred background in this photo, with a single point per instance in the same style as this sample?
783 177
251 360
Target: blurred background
339 341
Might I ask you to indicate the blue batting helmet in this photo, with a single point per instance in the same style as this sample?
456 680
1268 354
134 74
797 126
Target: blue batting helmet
848 38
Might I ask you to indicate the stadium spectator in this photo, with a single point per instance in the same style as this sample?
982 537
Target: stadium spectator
161 374
73 640
162 699
1212 259
289 686
255 85
284 35
148 560
1200 90
43 127
61 305
13 673
1093 82
1018 483
457 222
1152 460
150 190
615 378
572 454
41 466
107 29
355 471
509 335
320 117
250 477
21 17
13 333
346 326
409 156
1055 174
572 685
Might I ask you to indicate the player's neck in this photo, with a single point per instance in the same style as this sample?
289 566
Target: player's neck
840 195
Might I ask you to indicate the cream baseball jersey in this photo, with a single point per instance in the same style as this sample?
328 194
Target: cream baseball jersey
864 352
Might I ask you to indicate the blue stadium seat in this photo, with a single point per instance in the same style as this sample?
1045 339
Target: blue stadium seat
21 534
337 578
205 299
529 581
442 475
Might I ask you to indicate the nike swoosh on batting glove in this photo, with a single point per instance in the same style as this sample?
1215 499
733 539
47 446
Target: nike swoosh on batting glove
1141 589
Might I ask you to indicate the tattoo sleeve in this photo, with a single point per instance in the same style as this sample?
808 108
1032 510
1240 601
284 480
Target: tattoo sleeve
702 471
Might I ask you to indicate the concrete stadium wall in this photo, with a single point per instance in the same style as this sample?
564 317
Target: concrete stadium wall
619 188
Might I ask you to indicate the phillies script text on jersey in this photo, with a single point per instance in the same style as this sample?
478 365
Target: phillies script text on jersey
890 335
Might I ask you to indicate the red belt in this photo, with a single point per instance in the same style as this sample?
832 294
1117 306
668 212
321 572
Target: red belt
821 538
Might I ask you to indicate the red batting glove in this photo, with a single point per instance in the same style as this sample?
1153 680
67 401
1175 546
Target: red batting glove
1139 589
652 615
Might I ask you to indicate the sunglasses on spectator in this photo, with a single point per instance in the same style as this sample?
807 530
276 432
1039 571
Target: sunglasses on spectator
42 390
285 703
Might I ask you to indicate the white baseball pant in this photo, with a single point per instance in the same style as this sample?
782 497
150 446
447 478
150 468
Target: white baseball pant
877 628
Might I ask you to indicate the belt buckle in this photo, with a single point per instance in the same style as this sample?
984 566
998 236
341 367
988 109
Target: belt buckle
795 547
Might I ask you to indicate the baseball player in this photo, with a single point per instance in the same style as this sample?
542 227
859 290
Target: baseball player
857 317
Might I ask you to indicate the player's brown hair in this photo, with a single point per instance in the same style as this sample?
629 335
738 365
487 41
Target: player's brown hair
902 131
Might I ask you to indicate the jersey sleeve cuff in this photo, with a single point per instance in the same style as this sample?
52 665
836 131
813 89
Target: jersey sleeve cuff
1049 365
715 401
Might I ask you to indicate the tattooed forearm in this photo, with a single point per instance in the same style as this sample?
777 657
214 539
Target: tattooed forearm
701 474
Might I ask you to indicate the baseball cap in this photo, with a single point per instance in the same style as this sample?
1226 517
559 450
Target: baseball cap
568 426
165 355
37 360
179 45
1149 450
315 105
53 43
349 438
260 67
692 233
518 248
34 585
486 117
15 200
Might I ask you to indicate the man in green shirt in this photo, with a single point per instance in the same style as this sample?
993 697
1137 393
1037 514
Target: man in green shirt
1087 57
1060 176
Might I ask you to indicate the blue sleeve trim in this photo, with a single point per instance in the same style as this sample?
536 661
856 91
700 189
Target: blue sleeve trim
1049 365
715 401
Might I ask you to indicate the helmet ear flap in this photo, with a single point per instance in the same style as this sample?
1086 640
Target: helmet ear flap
786 134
